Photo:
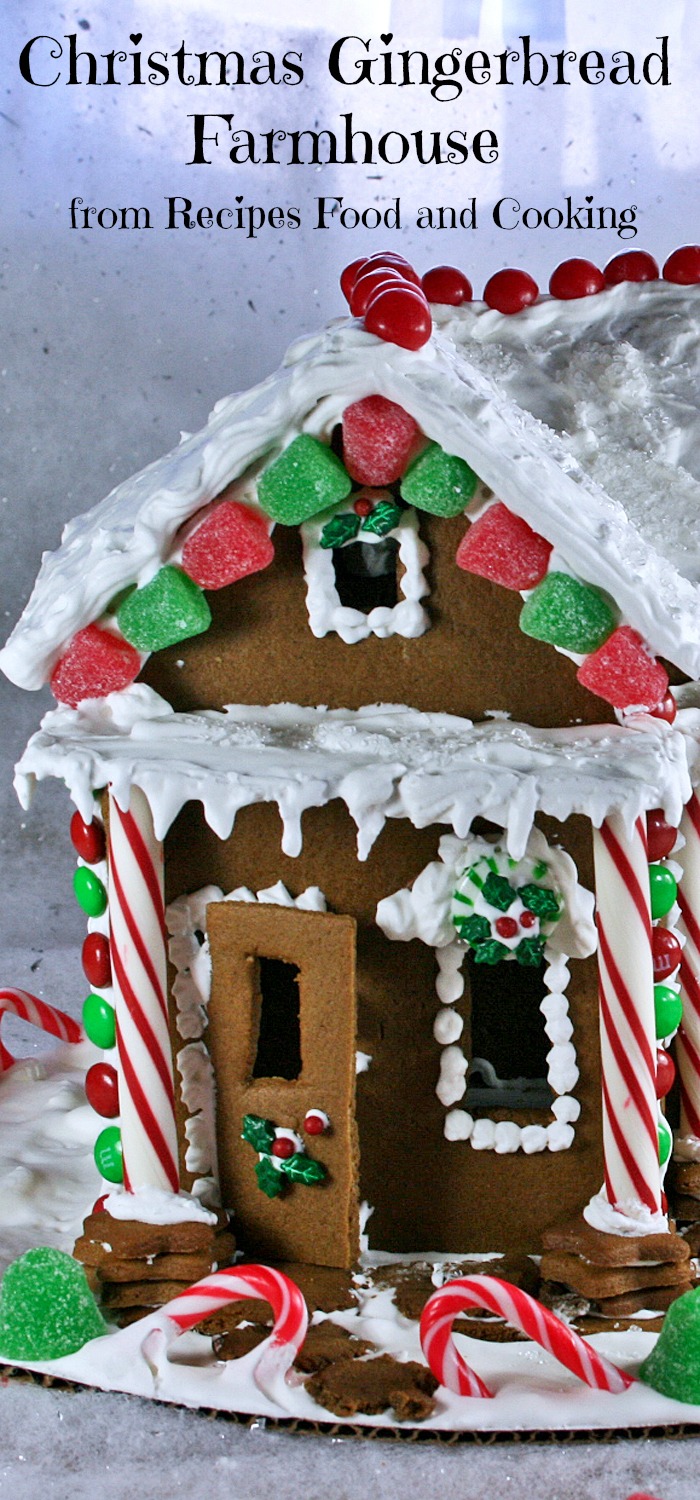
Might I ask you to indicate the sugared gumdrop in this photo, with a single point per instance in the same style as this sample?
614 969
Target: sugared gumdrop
94 664
624 673
231 542
502 547
378 437
305 479
46 1307
439 482
673 1367
169 609
568 614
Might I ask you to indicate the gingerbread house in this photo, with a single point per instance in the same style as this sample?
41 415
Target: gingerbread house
370 679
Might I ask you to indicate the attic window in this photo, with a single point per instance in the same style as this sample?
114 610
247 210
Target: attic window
365 574
362 587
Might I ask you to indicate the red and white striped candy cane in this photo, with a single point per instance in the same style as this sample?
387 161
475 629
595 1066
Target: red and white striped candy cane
627 1024
137 928
214 1292
523 1312
38 1013
688 1039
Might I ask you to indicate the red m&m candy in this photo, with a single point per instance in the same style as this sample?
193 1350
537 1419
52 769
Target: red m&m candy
97 965
661 836
576 278
666 953
510 291
102 1089
665 1072
88 839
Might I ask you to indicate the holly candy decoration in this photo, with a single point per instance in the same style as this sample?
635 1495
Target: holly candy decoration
378 437
94 664
90 893
400 315
232 542
88 839
631 265
97 964
624 673
306 479
169 609
566 613
439 482
666 952
576 278
501 911
510 291
502 547
683 266
661 836
282 1156
447 285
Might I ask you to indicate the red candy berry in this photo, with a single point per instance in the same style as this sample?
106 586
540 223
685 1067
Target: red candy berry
683 266
623 672
661 836
369 282
506 927
510 291
632 265
665 1072
97 964
576 278
502 547
448 285
88 839
378 437
283 1147
527 919
231 542
666 709
315 1122
400 315
94 664
102 1090
347 277
666 953
362 506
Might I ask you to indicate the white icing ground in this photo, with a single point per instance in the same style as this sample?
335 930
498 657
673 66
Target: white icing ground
383 761
151 1205
630 1218
48 1181
611 480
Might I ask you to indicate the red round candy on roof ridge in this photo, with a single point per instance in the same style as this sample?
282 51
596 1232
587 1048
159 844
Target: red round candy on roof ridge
576 278
370 281
631 265
447 285
348 275
400 315
683 266
510 291
399 262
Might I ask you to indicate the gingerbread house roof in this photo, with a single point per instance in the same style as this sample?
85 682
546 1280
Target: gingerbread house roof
581 416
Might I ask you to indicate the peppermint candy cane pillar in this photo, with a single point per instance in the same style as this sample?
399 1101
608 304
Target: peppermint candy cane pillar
138 947
627 1026
688 1039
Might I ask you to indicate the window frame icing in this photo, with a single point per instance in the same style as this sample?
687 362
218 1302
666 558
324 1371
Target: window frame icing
407 618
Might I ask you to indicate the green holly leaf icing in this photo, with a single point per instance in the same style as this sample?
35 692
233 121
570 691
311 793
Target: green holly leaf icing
269 1179
301 1168
473 929
340 529
529 952
490 953
540 900
257 1132
384 518
498 891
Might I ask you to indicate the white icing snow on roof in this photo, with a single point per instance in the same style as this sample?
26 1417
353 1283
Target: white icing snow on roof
383 761
581 416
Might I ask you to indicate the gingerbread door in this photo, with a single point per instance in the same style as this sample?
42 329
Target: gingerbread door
282 1023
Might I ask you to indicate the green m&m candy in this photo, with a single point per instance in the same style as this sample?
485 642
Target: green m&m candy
109 1159
664 889
90 893
665 1141
668 1009
98 1020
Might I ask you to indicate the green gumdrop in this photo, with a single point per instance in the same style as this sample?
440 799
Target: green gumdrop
664 890
567 613
169 609
46 1307
665 1142
668 1009
98 1021
673 1367
439 482
90 893
109 1159
307 478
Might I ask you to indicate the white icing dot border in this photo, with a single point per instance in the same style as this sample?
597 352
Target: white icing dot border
408 618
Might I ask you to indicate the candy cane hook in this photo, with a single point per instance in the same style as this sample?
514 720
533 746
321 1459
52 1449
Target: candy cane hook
46 1017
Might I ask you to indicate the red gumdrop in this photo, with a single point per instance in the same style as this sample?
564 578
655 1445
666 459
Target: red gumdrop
661 836
510 291
448 285
88 839
99 1206
576 278
502 547
666 709
378 437
231 542
94 664
97 963
506 927
666 953
102 1090
391 258
665 1072
683 266
623 672
283 1148
369 282
631 265
347 277
400 315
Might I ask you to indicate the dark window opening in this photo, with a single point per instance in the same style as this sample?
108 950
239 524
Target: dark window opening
278 1053
509 1045
365 574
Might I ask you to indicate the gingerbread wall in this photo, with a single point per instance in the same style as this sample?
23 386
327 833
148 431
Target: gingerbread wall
427 1193
260 649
